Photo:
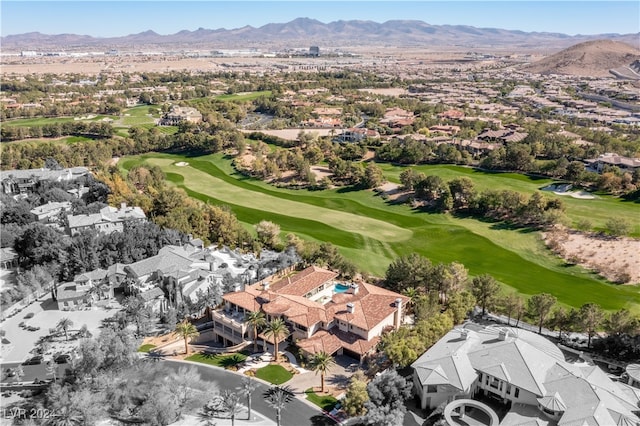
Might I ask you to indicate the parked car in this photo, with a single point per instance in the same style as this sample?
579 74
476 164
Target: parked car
33 361
62 359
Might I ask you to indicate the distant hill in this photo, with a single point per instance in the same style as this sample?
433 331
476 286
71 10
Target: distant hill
303 32
597 58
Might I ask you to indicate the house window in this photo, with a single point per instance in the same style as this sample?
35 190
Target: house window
517 394
494 383
432 388
508 389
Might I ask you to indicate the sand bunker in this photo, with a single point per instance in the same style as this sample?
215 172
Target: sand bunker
564 189
182 164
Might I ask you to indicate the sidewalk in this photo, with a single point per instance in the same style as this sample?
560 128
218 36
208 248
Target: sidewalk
241 420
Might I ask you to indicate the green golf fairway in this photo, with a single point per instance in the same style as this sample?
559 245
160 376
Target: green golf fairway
372 233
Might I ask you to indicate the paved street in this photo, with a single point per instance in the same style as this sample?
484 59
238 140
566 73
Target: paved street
297 413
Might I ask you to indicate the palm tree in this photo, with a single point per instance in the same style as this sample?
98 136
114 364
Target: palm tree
246 388
255 319
413 295
231 403
65 324
278 329
322 363
186 330
277 397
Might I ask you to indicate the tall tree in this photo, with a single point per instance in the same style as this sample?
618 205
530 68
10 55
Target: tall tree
247 386
277 329
621 322
539 306
509 305
387 393
186 330
485 289
256 320
590 317
278 397
356 395
65 325
268 233
231 402
408 271
322 362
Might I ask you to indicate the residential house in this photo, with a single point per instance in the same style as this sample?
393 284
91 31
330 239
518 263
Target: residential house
452 114
321 313
178 114
109 219
625 164
357 134
503 135
447 130
50 212
83 290
397 117
24 181
526 373
8 258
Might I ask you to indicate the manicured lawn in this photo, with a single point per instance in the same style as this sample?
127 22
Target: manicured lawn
146 348
218 360
40 121
274 373
326 402
372 232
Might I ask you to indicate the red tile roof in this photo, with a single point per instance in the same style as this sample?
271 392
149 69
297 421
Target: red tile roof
303 282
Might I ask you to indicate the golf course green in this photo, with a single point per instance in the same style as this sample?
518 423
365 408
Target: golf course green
372 232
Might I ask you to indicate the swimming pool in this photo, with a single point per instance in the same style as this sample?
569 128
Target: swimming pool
341 288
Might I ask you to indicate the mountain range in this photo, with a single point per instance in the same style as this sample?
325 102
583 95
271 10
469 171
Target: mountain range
303 32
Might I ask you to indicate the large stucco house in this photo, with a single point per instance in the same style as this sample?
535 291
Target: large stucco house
526 373
322 314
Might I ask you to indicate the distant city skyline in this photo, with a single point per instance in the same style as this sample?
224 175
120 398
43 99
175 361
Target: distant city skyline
121 18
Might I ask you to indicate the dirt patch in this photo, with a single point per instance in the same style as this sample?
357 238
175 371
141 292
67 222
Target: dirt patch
321 172
616 259
247 158
394 192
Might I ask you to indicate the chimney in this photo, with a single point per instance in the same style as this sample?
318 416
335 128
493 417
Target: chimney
503 334
351 307
398 314
123 206
464 334
265 285
354 288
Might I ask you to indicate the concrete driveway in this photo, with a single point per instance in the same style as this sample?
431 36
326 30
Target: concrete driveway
336 380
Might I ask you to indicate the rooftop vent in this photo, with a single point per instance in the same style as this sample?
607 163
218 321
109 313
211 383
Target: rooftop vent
351 307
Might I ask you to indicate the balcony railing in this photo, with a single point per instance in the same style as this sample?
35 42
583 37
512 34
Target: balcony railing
235 319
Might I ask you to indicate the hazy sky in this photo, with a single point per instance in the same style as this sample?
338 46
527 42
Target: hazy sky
118 18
